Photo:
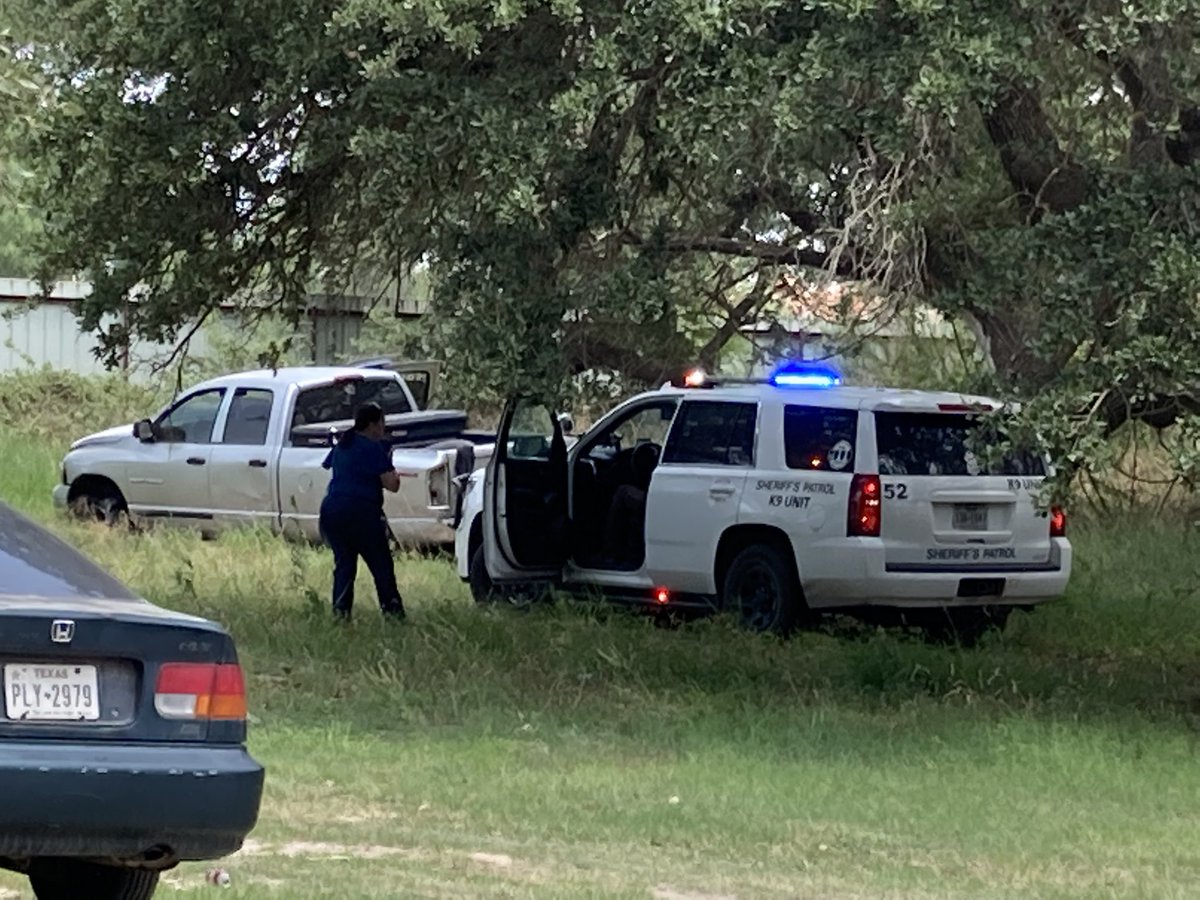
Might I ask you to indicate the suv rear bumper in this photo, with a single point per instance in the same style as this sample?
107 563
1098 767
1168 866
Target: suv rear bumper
154 802
916 587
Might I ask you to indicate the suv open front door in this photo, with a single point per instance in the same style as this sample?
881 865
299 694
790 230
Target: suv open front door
525 533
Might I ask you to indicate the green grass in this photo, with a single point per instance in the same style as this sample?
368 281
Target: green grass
576 751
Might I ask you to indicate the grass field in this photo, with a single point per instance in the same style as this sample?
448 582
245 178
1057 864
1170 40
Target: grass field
577 752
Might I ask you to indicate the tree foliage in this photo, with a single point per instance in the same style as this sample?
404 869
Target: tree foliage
21 94
611 184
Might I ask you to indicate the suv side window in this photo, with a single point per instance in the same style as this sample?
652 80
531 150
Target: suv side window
249 417
819 439
713 433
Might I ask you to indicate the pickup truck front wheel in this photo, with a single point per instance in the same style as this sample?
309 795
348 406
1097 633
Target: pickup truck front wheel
99 502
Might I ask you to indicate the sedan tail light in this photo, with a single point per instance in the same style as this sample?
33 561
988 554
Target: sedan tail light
1058 522
200 691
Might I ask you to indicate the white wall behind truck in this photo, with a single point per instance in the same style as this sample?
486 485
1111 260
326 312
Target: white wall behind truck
48 333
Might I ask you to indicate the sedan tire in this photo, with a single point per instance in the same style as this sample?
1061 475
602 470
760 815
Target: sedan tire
63 879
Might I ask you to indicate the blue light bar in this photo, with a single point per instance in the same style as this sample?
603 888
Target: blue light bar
792 375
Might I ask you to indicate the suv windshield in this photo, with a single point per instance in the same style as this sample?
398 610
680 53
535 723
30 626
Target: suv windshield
941 444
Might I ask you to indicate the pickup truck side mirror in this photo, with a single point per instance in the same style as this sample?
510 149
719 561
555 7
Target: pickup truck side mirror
144 431
566 423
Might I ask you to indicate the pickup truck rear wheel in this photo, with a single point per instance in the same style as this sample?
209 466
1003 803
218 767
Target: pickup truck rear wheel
761 589
66 879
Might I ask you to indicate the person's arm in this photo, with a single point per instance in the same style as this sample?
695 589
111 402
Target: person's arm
388 475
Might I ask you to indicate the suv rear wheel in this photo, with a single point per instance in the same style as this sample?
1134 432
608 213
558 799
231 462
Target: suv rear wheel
761 589
67 879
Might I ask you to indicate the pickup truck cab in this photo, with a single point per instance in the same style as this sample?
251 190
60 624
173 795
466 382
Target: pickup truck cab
775 500
246 449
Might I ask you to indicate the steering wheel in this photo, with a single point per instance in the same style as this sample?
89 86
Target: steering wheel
644 459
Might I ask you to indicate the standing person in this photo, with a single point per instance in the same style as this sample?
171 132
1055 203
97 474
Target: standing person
352 520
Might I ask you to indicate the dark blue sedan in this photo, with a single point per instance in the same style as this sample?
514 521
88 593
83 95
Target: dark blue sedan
122 728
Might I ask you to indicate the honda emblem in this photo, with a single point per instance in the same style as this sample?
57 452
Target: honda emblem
62 631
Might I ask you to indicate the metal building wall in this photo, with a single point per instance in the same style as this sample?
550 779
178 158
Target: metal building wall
47 334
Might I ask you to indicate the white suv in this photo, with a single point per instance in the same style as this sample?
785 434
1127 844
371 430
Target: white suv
774 500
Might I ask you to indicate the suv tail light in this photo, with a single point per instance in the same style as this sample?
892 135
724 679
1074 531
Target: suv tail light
1058 522
200 691
865 507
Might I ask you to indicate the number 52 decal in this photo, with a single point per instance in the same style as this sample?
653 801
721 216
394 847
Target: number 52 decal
895 491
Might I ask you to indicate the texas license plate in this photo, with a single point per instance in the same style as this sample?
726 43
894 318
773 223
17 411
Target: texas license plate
970 517
46 692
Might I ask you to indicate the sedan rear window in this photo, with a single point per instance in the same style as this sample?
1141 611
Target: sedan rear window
34 563
942 444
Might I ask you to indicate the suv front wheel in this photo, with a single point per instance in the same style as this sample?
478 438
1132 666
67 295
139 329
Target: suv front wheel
761 589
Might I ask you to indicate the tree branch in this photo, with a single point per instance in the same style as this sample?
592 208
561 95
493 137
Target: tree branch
780 254
1042 173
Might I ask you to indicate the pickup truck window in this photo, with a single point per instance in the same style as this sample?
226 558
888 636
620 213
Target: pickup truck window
339 402
249 417
191 420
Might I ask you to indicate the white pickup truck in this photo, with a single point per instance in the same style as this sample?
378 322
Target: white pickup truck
246 449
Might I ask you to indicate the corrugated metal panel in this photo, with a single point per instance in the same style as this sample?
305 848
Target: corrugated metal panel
48 334
45 335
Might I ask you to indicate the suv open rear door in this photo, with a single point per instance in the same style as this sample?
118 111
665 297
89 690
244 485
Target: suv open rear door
525 534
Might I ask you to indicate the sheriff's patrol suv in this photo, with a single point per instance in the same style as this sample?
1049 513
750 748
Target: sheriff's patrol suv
774 500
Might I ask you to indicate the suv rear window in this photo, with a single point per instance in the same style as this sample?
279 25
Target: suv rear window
817 438
941 444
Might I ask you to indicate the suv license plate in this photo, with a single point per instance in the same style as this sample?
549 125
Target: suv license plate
50 692
970 517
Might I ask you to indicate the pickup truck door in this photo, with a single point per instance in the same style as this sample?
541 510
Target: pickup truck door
525 533
243 460
170 477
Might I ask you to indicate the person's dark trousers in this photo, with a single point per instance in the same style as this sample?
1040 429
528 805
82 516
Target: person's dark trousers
352 531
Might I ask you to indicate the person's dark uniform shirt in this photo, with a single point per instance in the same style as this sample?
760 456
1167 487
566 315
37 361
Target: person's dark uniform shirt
356 469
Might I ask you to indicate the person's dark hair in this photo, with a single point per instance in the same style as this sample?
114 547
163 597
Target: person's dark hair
364 417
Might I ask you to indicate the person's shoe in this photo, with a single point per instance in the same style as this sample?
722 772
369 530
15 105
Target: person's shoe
341 615
394 613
